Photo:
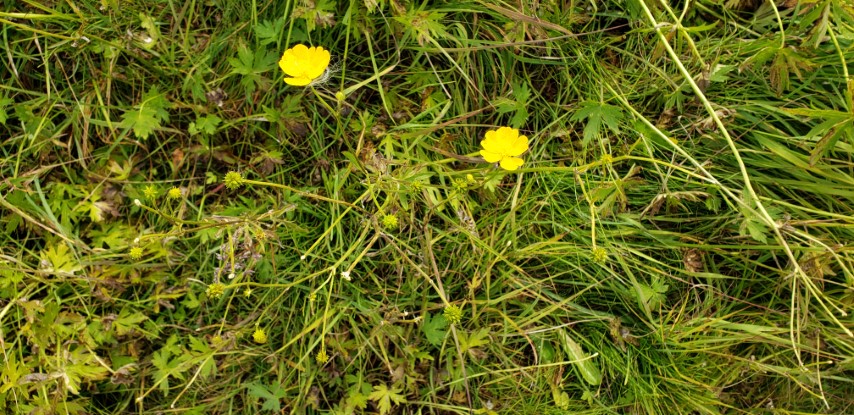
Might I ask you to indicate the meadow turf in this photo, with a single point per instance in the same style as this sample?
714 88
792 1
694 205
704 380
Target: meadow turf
181 232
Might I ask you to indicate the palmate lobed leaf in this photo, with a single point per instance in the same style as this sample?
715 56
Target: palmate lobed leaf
149 114
434 328
597 114
270 394
384 397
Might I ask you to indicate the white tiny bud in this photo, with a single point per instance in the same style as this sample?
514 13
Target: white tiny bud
302 257
137 202
346 275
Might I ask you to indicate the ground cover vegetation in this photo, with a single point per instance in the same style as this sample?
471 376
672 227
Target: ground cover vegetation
439 207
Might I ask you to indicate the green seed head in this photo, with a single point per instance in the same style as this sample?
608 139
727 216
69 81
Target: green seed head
233 180
215 290
135 253
390 222
453 314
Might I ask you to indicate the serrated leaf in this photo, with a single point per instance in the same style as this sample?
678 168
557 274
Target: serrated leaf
60 259
204 125
424 25
653 295
384 397
143 122
85 368
357 400
469 341
598 114
522 93
191 301
4 103
268 32
434 328
128 321
251 66
148 115
271 395
757 230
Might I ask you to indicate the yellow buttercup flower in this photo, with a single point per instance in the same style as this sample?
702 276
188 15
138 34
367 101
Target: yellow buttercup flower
303 64
504 146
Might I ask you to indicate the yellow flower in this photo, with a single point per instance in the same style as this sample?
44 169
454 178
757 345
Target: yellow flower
174 193
304 64
503 146
259 336
321 357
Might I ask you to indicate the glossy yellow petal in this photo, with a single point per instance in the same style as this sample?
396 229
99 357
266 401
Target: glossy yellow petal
491 142
507 134
300 51
517 147
511 163
301 81
491 157
318 63
289 65
303 64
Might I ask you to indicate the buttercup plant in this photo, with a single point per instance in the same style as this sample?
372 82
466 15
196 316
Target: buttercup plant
504 146
304 65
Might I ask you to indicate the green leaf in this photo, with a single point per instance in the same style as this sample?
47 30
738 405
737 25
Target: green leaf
191 301
271 395
423 25
384 396
168 366
653 295
786 61
582 361
719 73
319 13
60 259
756 229
268 32
128 321
85 368
204 125
147 23
522 93
4 102
434 328
110 235
250 66
148 115
356 400
597 114
469 341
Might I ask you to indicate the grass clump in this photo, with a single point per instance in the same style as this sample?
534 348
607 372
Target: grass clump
448 207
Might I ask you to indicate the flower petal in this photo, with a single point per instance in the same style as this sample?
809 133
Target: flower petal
517 147
317 62
301 81
289 63
507 134
491 142
300 51
491 157
511 163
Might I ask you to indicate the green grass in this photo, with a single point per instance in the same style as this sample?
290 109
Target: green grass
677 241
